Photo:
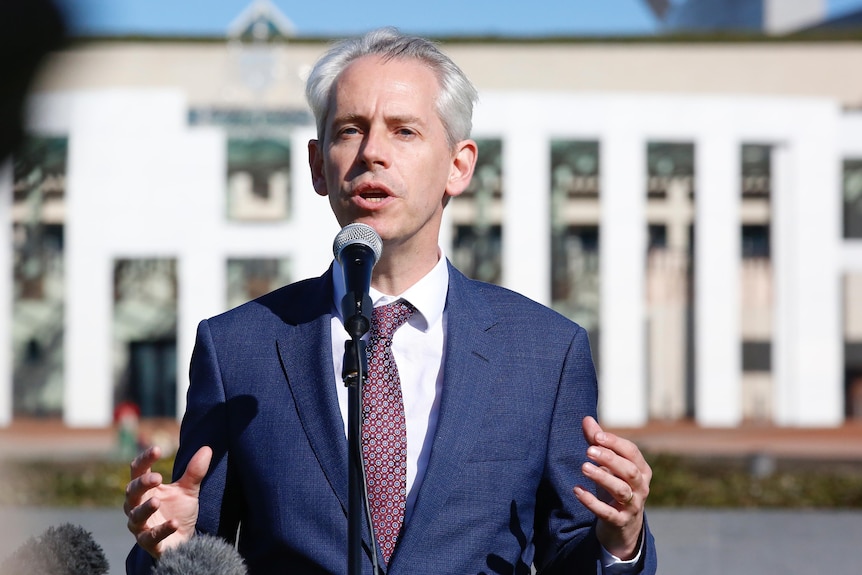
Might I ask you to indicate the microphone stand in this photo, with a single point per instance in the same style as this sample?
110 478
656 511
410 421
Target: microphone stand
354 372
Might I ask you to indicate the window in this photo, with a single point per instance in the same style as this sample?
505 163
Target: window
755 241
258 179
248 279
477 216
756 170
145 335
39 182
669 163
852 188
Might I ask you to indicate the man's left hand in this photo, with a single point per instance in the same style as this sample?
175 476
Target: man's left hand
622 477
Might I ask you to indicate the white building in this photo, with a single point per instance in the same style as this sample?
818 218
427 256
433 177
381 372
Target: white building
682 200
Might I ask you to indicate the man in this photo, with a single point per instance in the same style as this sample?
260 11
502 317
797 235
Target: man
498 392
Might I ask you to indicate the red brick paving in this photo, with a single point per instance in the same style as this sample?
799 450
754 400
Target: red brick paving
685 438
50 438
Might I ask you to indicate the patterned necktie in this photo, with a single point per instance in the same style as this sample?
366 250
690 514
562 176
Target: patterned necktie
384 428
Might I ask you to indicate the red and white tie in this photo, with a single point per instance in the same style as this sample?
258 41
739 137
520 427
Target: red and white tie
384 428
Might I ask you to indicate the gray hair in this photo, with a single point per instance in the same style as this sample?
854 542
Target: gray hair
454 102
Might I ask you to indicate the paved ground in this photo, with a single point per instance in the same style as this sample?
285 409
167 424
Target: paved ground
839 443
689 542
39 438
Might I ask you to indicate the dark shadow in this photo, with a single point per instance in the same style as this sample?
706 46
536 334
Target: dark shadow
194 434
499 565
237 413
29 31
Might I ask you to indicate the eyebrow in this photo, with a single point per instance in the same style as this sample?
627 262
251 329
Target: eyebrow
396 119
407 119
346 119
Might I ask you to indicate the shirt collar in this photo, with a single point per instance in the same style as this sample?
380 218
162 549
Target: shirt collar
428 295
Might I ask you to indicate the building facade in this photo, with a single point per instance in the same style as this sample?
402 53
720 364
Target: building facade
696 206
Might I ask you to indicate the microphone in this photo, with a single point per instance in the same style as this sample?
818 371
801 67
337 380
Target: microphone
64 550
357 247
201 555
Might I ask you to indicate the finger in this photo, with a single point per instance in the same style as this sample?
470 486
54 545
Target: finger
137 489
599 508
150 538
139 515
197 469
590 427
144 461
595 435
623 447
619 490
617 465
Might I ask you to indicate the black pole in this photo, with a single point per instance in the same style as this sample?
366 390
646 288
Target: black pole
357 247
353 374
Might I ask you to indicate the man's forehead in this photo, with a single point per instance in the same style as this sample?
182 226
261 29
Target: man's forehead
406 67
403 79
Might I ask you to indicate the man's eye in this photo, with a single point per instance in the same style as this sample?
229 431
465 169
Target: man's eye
405 132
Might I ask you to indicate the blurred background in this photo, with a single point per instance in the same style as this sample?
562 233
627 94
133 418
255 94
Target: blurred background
684 179
681 177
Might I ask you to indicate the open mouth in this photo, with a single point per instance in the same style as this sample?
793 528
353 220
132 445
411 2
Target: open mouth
373 193
374 197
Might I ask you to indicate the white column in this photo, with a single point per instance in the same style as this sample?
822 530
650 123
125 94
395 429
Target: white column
132 168
718 363
783 242
526 213
202 265
87 390
5 293
622 245
807 340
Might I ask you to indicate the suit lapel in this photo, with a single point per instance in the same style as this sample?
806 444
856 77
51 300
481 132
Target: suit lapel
469 375
304 349
471 370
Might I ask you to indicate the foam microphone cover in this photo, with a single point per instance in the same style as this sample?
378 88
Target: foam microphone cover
63 550
201 555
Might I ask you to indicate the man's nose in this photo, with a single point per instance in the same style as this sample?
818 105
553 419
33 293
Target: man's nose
375 152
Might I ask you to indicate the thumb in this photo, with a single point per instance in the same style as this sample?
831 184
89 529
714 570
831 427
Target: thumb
197 468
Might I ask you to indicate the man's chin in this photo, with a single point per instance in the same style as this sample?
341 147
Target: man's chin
371 221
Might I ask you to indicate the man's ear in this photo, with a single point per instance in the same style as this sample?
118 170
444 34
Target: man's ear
461 170
315 162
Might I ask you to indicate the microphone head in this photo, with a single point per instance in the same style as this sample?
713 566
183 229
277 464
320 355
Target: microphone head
64 550
362 234
201 555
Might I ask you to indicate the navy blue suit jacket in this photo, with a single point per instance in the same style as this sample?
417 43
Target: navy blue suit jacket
507 451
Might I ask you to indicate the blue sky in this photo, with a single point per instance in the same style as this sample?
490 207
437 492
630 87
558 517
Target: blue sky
339 17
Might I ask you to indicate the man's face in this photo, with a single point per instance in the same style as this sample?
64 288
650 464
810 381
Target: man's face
385 160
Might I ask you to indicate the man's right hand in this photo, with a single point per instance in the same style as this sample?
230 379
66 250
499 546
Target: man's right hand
163 515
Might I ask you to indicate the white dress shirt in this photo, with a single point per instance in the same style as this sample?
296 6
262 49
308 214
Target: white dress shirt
419 349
